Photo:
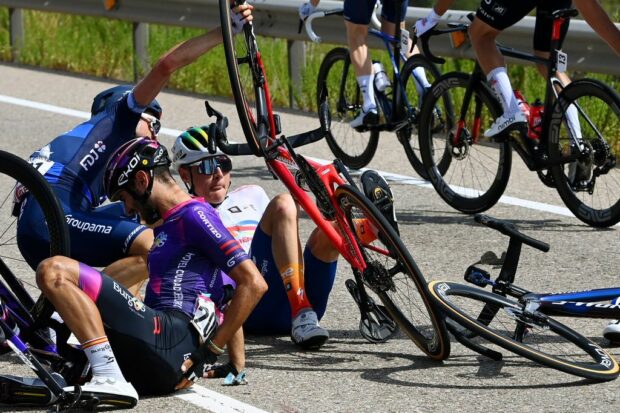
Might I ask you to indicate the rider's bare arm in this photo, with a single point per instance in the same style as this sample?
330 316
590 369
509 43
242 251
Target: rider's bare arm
596 17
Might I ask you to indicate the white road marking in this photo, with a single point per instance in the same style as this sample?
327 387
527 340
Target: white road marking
215 402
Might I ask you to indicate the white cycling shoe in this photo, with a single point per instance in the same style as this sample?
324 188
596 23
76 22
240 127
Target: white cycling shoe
109 386
306 331
507 123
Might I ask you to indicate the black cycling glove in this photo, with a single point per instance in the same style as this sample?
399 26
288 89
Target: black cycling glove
201 357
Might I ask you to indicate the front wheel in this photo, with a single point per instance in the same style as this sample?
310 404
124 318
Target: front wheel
532 335
477 175
355 149
393 275
415 91
586 124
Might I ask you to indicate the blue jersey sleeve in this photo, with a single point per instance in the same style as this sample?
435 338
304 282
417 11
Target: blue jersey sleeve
210 236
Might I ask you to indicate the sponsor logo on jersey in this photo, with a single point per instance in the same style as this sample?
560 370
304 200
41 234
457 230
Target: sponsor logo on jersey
84 226
209 225
93 155
177 282
499 9
161 239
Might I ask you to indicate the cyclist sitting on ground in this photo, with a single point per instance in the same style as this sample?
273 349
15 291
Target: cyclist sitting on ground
299 285
73 164
149 342
357 15
494 16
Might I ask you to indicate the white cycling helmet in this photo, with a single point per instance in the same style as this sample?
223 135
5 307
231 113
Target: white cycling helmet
192 146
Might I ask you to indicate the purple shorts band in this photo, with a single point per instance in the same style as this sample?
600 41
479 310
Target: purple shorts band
89 281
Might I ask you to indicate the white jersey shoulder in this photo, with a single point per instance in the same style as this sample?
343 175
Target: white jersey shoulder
241 212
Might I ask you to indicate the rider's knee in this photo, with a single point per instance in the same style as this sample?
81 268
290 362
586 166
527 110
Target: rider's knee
52 273
284 207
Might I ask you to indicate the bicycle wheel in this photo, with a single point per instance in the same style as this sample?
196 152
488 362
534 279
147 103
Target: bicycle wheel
345 100
393 275
589 186
414 92
247 80
18 176
532 335
478 172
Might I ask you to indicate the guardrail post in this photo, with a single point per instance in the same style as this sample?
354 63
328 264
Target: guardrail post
141 63
296 65
16 33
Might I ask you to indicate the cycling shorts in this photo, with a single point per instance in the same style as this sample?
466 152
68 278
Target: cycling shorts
501 14
149 345
99 236
360 11
272 314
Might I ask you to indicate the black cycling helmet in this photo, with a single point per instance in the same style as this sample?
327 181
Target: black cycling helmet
141 154
112 95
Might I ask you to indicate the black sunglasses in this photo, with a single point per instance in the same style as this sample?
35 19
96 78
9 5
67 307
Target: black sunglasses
208 166
154 123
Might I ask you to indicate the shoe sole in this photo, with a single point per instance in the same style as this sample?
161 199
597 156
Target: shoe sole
313 343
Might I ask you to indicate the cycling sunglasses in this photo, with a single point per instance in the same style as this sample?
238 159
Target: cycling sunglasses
208 166
154 123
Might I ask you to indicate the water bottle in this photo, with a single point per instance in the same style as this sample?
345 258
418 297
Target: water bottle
381 80
535 120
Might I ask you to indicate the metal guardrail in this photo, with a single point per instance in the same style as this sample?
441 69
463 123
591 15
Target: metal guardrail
279 19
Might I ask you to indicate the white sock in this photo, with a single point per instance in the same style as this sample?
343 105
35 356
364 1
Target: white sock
101 358
421 82
368 91
498 79
572 118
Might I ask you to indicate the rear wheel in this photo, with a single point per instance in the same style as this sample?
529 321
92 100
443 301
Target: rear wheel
530 334
345 99
393 275
589 185
443 112
478 172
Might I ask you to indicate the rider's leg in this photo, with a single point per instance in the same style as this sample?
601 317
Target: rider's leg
280 222
66 283
358 50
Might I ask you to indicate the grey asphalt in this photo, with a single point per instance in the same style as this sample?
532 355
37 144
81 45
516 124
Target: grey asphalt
349 374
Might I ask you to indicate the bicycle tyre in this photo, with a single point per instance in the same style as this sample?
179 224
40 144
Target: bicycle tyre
480 167
409 142
427 328
250 117
353 148
598 365
601 105
25 174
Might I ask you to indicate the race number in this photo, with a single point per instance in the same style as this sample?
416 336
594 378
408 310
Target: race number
562 61
404 39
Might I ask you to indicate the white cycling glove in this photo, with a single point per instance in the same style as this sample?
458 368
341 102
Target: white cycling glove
236 20
427 23
306 10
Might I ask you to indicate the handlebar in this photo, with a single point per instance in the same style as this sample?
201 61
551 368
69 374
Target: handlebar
435 32
509 229
218 130
374 21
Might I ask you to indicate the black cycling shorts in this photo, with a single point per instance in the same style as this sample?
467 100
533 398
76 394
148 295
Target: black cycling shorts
360 11
501 14
149 345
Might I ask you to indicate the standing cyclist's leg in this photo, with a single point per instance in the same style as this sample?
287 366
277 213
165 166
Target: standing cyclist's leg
491 19
357 16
